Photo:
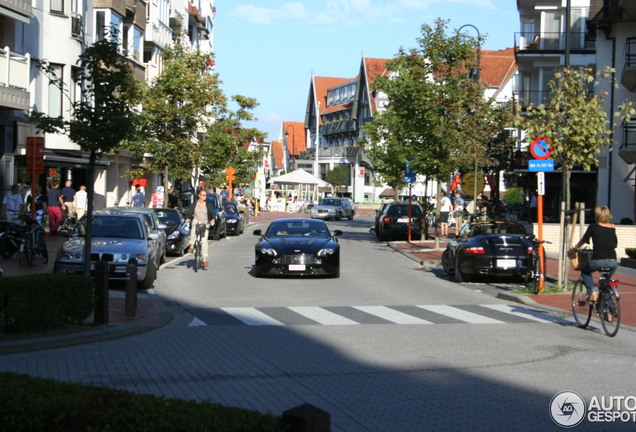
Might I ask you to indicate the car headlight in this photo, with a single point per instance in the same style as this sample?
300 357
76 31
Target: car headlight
71 255
324 252
269 251
332 211
232 220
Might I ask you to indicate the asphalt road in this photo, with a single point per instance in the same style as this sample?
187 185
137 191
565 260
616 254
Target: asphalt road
388 346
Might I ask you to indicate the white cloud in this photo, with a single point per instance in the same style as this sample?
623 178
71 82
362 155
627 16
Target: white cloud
260 15
424 4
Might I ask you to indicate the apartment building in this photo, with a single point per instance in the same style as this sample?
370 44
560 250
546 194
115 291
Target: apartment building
57 32
575 33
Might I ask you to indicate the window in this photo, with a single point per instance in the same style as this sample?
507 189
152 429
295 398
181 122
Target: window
76 18
55 91
76 85
100 25
57 6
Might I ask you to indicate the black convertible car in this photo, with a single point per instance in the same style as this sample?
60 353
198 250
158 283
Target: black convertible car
297 247
495 248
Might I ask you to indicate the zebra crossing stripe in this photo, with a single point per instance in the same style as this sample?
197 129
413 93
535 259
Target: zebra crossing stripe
529 314
251 316
322 316
392 315
460 315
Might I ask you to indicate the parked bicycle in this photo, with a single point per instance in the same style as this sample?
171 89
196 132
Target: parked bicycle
607 307
198 255
536 267
34 244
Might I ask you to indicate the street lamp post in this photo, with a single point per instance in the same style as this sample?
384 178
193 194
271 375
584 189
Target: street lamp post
476 78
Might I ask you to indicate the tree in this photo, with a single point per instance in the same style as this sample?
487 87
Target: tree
103 118
182 101
436 113
339 176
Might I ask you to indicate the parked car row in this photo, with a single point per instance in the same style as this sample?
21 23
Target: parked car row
143 236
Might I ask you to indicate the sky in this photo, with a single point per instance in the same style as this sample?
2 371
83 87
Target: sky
269 49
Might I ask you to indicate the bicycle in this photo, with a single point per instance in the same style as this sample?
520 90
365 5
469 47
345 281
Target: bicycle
33 246
198 255
607 307
536 267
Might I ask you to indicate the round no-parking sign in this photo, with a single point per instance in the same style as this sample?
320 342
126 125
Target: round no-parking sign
541 148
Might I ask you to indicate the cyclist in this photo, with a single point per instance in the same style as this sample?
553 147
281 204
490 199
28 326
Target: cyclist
201 211
604 240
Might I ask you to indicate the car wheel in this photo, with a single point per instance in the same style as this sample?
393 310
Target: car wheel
151 275
180 250
338 216
217 234
447 262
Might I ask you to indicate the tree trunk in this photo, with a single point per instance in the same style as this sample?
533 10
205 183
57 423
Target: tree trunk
90 193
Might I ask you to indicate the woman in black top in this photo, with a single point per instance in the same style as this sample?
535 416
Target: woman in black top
604 240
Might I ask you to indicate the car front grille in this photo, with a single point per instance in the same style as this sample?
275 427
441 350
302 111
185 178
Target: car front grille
298 259
104 257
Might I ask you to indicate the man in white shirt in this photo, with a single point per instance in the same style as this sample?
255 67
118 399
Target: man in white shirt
444 210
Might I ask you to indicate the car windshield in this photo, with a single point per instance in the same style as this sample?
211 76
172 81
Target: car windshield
330 202
212 198
496 228
168 217
298 229
112 226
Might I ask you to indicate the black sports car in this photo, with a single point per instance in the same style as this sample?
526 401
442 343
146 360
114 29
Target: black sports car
176 242
297 247
496 248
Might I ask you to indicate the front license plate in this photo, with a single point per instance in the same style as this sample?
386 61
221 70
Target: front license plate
506 263
297 267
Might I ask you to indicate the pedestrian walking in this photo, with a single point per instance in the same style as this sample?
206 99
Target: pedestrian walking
13 204
54 204
138 199
81 202
68 193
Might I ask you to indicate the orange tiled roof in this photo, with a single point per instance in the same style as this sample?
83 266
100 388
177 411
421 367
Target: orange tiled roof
296 140
374 67
497 67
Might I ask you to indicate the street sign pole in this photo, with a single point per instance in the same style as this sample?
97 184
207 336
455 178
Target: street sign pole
540 193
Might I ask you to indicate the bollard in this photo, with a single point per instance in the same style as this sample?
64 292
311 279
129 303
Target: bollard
307 418
131 290
100 315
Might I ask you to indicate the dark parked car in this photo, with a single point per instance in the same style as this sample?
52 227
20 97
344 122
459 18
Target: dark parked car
333 208
117 239
176 242
235 218
297 247
393 222
495 248
378 215
156 227
220 226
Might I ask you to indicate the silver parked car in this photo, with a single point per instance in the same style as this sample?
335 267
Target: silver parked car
333 208
118 239
156 227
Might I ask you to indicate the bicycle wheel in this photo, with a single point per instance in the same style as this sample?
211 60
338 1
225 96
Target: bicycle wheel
610 311
197 255
43 253
581 309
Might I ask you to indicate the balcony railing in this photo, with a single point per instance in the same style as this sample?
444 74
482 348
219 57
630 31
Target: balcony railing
627 150
14 69
534 97
549 41
628 76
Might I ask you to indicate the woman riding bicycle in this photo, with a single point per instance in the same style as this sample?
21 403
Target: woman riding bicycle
604 240
201 212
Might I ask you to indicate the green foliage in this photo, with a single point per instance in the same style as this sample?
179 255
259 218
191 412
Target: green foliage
44 301
626 221
34 404
631 252
436 115
514 195
339 176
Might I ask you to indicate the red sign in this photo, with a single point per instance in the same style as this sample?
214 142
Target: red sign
541 148
35 155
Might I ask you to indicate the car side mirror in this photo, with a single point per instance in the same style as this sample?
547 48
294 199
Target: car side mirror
258 232
162 226
337 233
154 236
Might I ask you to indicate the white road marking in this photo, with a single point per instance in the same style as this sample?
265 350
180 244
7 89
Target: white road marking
252 316
526 313
322 316
392 315
459 314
